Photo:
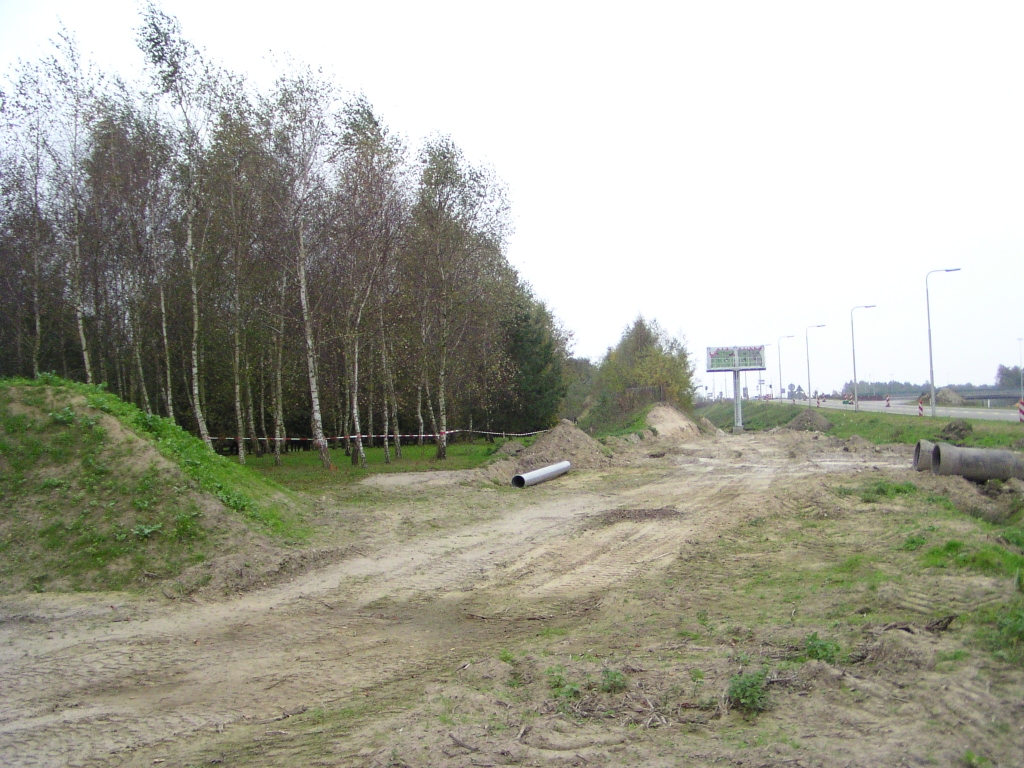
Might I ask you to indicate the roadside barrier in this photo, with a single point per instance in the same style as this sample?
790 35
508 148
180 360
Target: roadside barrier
1020 411
920 406
886 401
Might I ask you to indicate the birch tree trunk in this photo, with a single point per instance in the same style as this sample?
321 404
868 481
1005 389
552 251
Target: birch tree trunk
257 448
197 405
239 422
307 322
37 339
136 344
358 455
167 356
419 413
279 434
79 307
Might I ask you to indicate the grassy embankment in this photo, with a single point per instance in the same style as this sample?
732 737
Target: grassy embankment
876 427
98 495
102 496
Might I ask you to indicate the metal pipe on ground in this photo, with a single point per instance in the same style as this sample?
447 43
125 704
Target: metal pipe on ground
923 455
977 463
526 479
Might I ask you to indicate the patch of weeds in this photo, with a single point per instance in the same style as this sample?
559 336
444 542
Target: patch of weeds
913 542
560 685
1001 630
941 501
749 693
549 632
506 656
974 760
612 681
843 490
988 558
820 649
947 657
187 527
884 489
65 417
143 531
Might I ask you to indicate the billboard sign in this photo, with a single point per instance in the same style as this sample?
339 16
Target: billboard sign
736 359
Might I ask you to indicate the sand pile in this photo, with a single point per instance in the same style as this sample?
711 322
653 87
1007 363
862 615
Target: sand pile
668 422
563 443
946 397
812 421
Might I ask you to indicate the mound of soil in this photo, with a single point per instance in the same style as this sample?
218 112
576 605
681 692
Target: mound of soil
705 425
957 429
811 421
511 448
944 396
668 422
99 507
563 443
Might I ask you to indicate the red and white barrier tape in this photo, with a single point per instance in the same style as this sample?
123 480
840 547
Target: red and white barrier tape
426 435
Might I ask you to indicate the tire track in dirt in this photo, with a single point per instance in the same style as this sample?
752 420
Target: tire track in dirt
85 688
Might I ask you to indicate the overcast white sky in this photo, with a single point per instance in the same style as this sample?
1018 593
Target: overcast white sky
736 170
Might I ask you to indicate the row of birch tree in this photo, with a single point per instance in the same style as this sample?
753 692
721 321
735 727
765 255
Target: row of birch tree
259 264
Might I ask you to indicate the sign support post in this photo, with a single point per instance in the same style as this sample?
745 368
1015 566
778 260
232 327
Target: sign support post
736 359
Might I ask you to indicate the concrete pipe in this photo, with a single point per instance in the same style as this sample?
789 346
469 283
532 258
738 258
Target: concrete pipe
977 463
923 455
527 479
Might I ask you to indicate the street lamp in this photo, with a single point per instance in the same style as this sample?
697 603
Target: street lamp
1020 366
807 346
778 345
853 344
928 307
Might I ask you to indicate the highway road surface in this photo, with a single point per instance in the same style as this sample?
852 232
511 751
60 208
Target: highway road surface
909 408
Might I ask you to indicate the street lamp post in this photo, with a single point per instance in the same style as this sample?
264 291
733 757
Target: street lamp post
778 345
807 346
1020 366
853 345
928 308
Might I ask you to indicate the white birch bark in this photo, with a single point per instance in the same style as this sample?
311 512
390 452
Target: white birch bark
197 406
167 356
307 323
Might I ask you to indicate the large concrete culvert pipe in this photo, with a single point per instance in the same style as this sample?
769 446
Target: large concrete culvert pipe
923 455
540 475
977 463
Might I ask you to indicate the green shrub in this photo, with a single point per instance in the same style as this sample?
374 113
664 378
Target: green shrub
821 650
612 681
749 693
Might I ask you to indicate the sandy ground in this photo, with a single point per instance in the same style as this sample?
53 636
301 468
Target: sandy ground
115 679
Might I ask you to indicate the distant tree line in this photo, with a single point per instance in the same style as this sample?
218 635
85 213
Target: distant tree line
259 264
646 366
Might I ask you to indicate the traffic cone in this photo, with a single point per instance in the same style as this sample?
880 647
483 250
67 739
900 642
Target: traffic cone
886 401
920 406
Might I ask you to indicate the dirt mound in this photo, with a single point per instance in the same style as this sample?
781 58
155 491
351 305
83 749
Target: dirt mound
957 429
511 448
563 443
668 422
705 425
96 506
811 421
945 396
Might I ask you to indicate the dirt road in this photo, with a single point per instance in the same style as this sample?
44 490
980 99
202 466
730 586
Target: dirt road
115 679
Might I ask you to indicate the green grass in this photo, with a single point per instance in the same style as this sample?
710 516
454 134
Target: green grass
877 428
302 470
85 511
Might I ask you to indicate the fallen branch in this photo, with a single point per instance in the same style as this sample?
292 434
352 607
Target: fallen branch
460 743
